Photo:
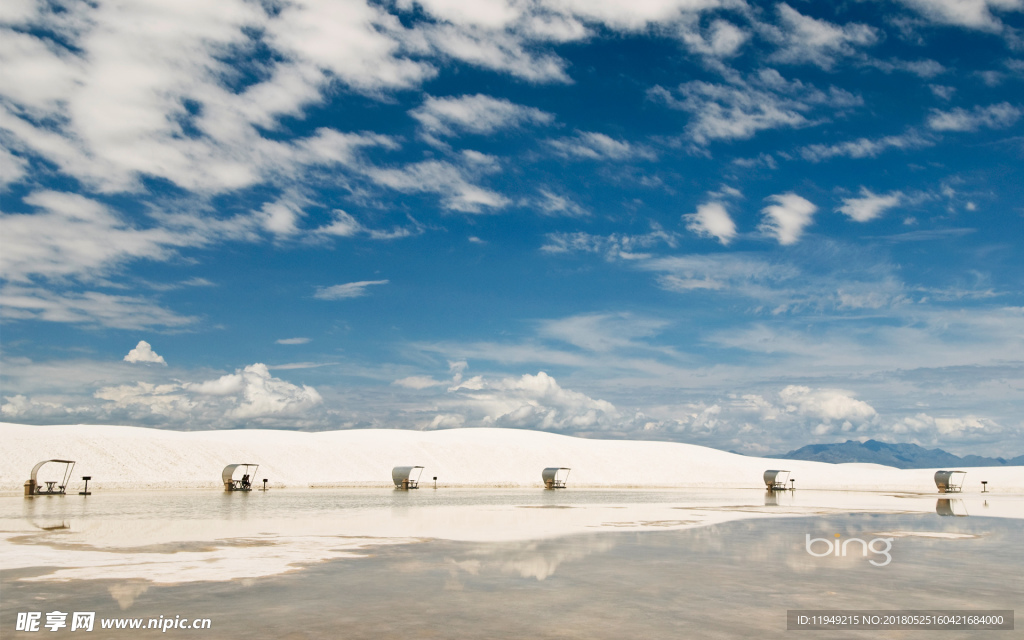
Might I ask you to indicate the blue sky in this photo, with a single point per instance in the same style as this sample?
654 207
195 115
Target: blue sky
746 225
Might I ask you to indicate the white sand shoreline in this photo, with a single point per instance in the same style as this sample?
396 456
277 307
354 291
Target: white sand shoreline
123 458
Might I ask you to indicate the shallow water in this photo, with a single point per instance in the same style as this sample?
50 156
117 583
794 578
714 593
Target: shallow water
594 568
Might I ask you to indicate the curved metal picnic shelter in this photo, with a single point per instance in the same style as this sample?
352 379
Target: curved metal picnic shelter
32 487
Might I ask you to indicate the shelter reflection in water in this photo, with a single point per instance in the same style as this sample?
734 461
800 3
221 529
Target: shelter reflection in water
951 507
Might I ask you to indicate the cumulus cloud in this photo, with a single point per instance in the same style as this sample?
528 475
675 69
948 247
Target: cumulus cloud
825 404
263 395
996 116
787 218
926 425
740 108
143 352
590 145
478 114
712 220
869 205
347 290
531 402
249 393
21 407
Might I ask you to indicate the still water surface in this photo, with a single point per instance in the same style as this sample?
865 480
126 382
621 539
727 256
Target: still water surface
596 568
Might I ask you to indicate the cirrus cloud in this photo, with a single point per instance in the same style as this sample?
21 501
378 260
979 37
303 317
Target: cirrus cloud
347 290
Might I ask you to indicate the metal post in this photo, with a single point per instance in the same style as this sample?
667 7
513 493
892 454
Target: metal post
984 487
264 484
435 482
792 483
86 492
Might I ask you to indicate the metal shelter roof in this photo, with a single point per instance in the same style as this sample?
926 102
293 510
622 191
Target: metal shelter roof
229 471
39 465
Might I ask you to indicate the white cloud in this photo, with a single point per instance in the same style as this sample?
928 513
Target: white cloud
490 49
88 307
344 225
477 114
865 147
825 404
293 341
924 424
355 41
493 14
819 42
633 16
712 220
974 14
602 332
20 407
553 204
721 39
996 116
418 382
762 160
12 168
589 145
281 216
941 91
71 235
787 218
435 176
740 108
347 290
143 89
164 400
613 247
925 68
529 402
250 393
869 205
143 352
748 274
264 395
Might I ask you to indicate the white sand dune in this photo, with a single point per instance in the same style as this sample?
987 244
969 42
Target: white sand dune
133 458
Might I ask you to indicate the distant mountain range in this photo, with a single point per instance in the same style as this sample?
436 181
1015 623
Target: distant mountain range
902 456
